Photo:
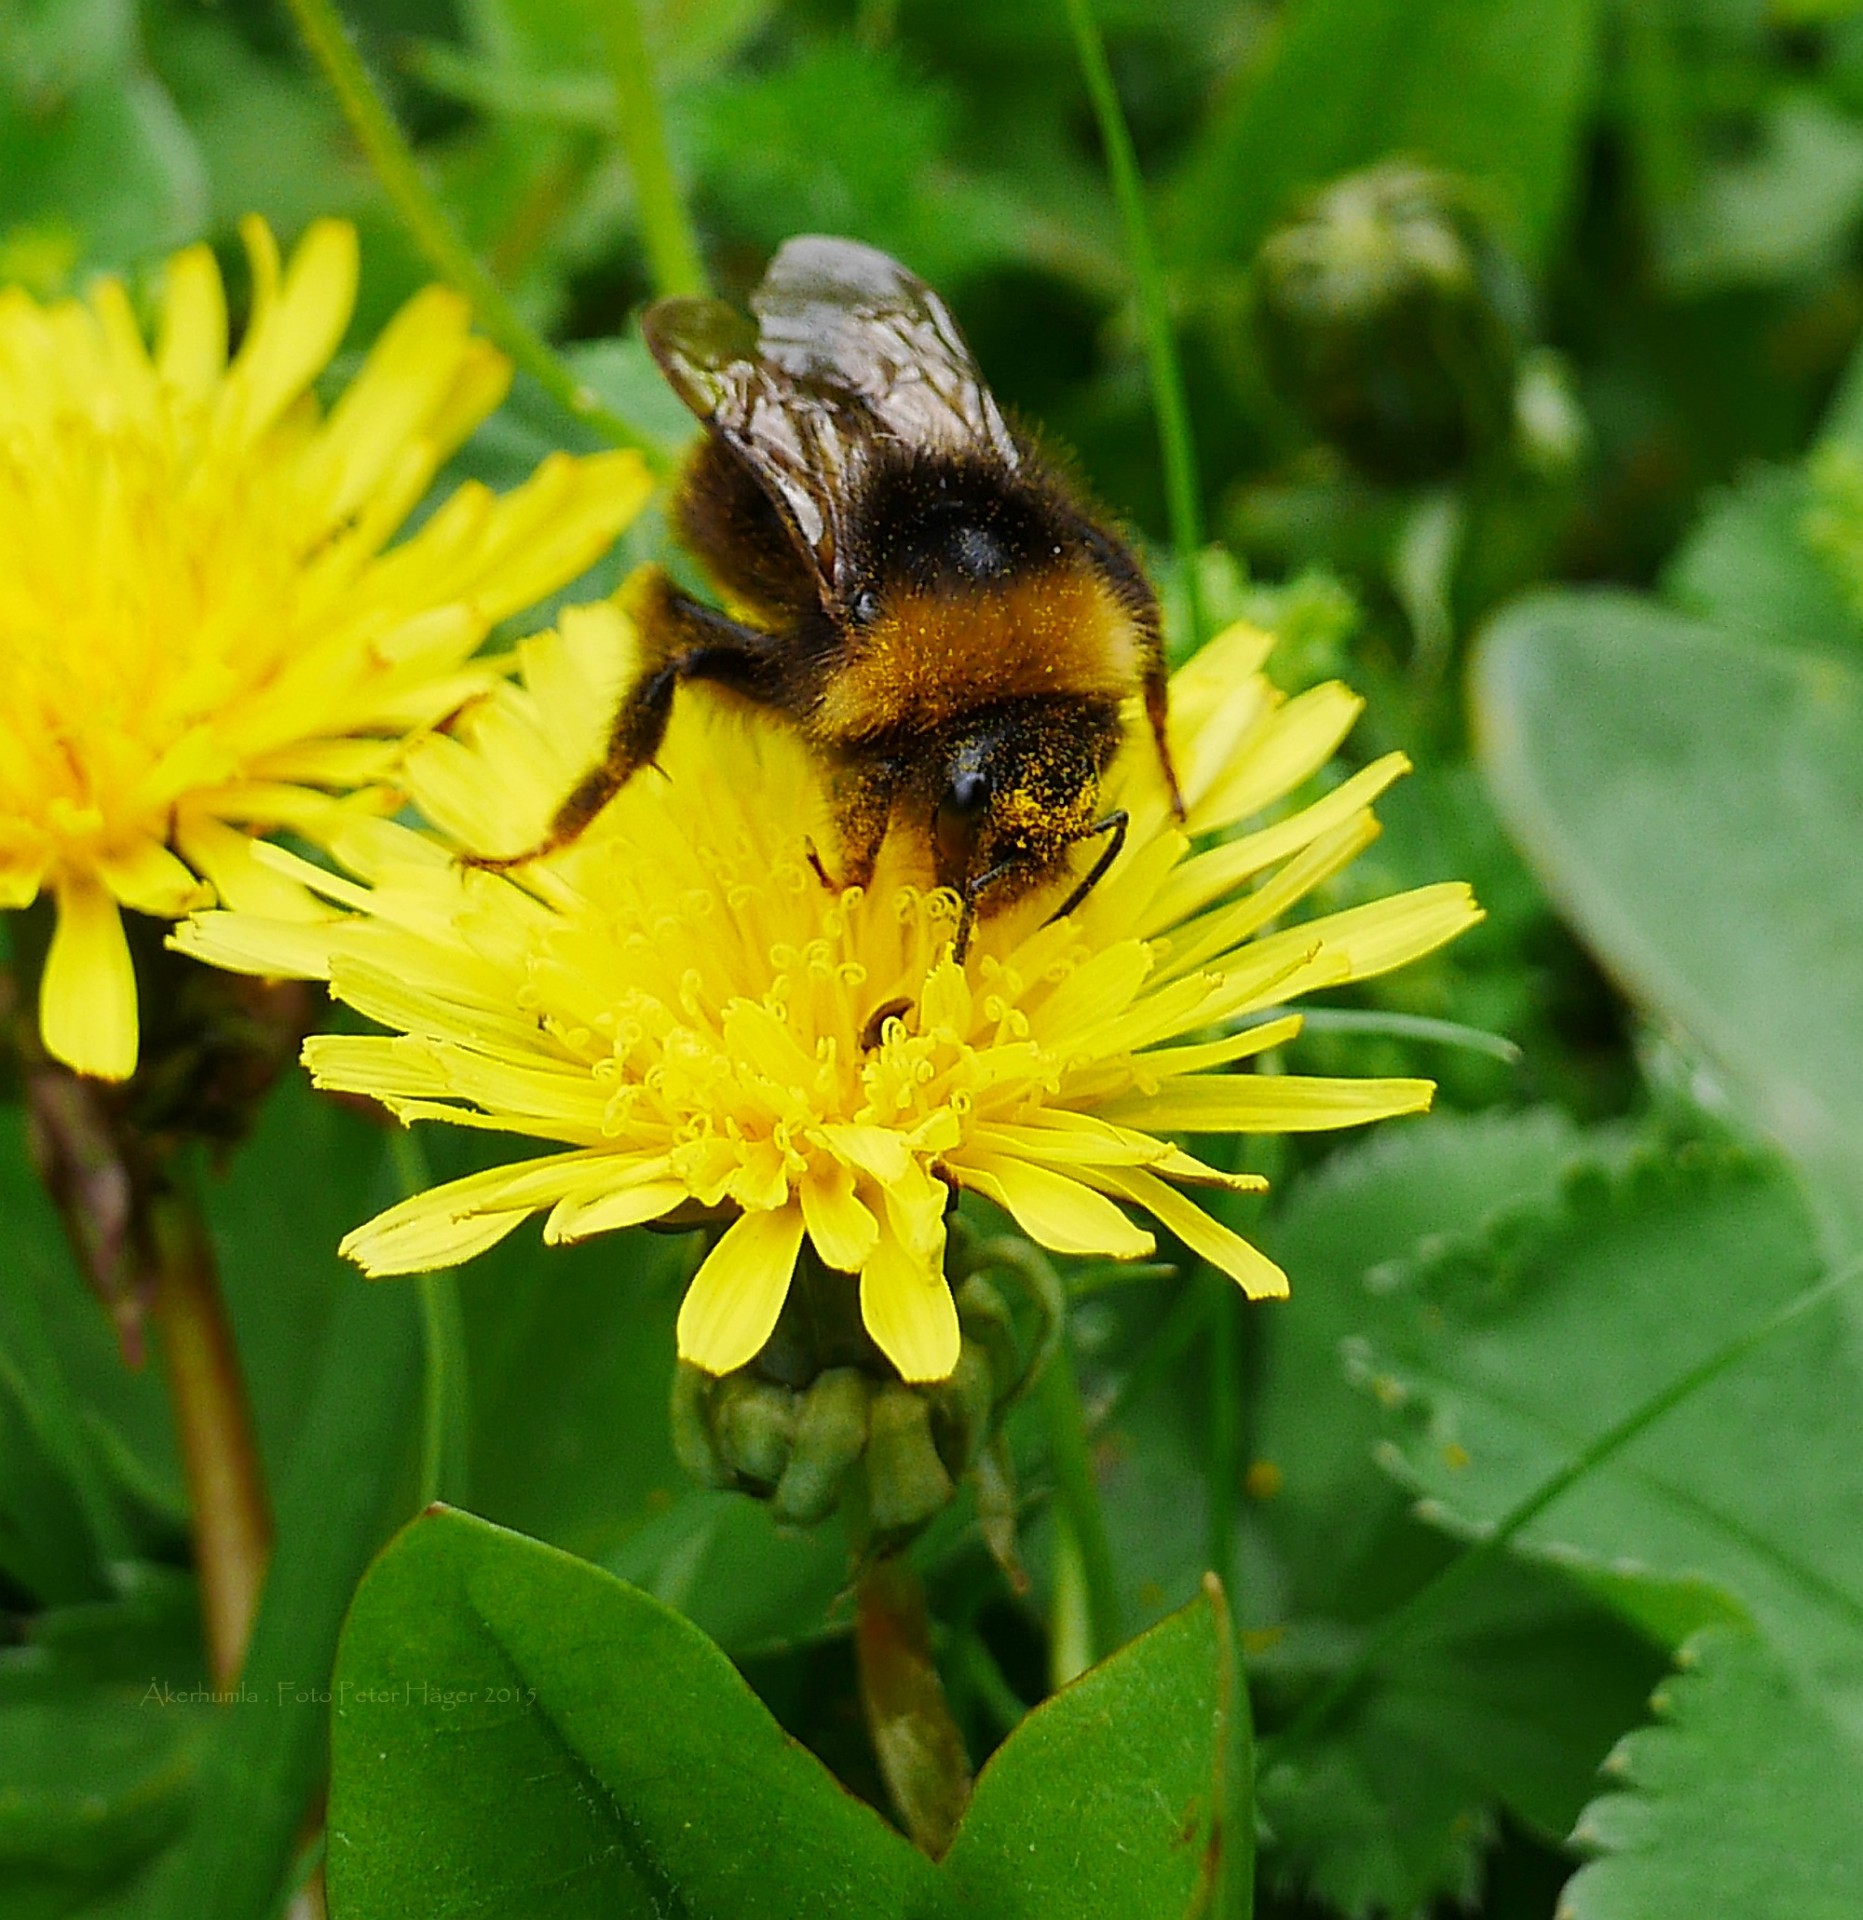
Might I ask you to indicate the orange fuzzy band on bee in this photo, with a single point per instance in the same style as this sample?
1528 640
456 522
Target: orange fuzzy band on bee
932 656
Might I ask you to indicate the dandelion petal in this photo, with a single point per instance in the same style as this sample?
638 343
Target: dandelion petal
1059 1213
907 1307
731 1307
87 999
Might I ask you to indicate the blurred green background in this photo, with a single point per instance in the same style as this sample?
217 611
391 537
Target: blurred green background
1476 299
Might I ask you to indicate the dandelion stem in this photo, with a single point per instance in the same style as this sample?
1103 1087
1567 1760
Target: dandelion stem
1224 1455
991 1685
1176 444
1401 1625
920 1750
672 249
444 1423
1059 1394
213 1419
426 220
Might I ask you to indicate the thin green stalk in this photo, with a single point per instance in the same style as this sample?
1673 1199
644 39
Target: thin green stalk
1224 1436
672 249
1175 443
1411 1026
989 1683
444 1423
1400 1625
1079 1496
218 1442
426 220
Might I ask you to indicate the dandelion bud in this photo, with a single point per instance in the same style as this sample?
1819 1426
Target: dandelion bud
1394 322
907 1484
755 1421
831 1435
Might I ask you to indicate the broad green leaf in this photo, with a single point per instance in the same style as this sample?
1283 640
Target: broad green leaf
1499 1370
1409 1189
518 1733
1691 801
346 1485
1514 1694
1123 1794
1498 93
1740 1804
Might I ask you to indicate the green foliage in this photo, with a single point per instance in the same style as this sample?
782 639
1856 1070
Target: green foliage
1688 796
1496 1366
1741 1800
1496 93
1396 1800
518 1733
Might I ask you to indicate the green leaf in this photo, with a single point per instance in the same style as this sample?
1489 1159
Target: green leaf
1517 1689
1513 1695
103 1718
114 159
1408 1189
1122 1794
1783 211
570 1360
517 1732
1500 1369
1749 567
1691 802
271 141
105 1434
346 1485
1498 93
752 1586
792 149
49 47
1741 1804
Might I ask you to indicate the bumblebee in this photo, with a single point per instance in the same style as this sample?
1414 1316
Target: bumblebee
911 586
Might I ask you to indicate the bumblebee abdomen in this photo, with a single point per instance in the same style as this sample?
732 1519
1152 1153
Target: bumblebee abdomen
932 655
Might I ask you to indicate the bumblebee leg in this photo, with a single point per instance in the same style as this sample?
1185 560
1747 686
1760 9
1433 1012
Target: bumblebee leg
685 641
1114 827
1157 706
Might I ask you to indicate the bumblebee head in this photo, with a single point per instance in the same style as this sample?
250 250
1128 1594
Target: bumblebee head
1019 785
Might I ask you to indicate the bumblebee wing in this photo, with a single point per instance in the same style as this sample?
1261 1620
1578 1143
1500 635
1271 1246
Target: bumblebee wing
798 444
842 318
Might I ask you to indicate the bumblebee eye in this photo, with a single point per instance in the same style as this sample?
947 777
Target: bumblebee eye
967 792
864 607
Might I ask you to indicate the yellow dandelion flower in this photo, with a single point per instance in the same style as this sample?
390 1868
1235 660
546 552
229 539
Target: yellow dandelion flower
695 1019
200 629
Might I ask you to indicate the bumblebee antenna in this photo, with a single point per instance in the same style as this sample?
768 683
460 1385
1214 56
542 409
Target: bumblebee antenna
1114 826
